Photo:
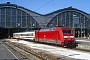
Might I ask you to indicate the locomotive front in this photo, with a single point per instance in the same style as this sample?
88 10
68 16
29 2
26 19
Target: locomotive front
69 39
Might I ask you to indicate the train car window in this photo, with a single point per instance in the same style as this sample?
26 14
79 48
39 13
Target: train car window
67 31
22 34
27 35
31 34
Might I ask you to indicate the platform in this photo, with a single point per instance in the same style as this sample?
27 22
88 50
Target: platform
6 53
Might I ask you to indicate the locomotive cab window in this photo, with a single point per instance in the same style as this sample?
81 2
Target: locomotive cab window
67 31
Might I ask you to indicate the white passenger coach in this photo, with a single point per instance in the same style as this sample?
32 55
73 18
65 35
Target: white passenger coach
25 35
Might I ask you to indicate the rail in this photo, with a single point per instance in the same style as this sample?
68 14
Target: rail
28 52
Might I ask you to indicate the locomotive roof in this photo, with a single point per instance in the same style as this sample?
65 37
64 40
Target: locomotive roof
47 29
52 29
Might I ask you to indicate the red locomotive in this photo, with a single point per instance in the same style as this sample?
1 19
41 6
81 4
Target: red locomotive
57 35
61 36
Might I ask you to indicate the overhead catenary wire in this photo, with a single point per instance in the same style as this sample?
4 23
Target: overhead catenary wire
52 3
44 5
24 1
14 1
29 2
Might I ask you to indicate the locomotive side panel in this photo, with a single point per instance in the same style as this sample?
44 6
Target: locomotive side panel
48 36
60 36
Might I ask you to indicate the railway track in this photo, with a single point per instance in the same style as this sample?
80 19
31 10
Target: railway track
28 52
34 54
83 48
21 50
80 47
